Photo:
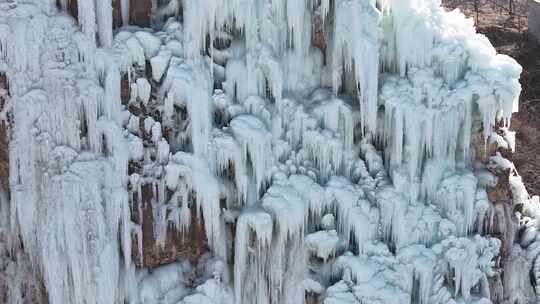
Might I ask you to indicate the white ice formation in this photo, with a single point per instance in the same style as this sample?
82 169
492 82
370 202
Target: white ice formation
328 147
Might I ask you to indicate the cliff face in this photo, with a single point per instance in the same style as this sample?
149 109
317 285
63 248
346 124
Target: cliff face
534 16
212 151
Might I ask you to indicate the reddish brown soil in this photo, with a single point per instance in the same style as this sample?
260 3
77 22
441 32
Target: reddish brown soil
508 33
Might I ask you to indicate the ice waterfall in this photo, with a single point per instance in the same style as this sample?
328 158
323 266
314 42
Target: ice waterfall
259 152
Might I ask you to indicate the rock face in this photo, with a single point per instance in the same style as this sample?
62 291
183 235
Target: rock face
190 244
534 18
4 148
71 6
347 151
140 12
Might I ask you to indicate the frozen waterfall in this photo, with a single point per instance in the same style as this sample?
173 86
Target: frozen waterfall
259 152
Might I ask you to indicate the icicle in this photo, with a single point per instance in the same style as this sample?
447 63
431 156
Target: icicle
104 22
470 260
255 141
197 176
87 18
287 257
19 59
112 101
355 217
423 262
358 42
253 237
190 85
63 4
325 9
124 8
313 194
236 75
325 150
457 194
224 151
337 116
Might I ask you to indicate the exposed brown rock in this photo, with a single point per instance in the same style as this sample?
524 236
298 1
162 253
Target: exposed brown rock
140 12
191 245
500 221
501 192
125 89
483 150
312 298
4 144
117 14
72 7
318 39
42 296
527 156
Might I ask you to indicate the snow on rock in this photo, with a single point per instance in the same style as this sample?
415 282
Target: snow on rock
212 292
323 243
149 42
159 63
143 90
366 279
167 280
471 262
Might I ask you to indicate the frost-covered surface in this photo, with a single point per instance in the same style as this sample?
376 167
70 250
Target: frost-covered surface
347 168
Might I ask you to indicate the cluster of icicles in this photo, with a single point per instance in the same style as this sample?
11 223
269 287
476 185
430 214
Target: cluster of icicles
264 132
